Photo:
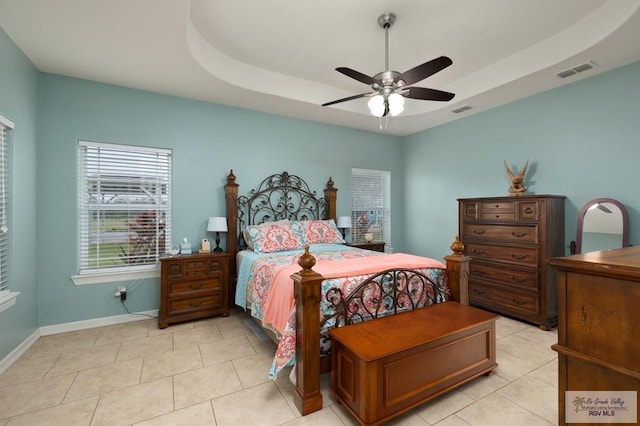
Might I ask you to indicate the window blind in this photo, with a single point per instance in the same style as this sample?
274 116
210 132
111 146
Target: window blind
124 206
5 127
371 205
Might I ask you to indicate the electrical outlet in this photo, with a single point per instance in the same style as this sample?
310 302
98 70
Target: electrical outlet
120 289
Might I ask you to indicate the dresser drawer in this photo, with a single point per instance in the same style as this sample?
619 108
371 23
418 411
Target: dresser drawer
504 233
470 211
194 268
510 254
484 294
515 277
194 285
180 306
527 210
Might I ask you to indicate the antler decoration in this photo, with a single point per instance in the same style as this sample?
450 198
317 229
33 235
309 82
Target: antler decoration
517 187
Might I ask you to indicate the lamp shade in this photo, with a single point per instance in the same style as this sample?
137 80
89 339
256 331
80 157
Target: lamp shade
217 224
344 222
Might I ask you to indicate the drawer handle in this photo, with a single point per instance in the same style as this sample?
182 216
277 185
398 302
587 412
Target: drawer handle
478 231
518 301
194 304
478 251
478 291
519 256
518 279
193 287
478 271
519 234
497 216
497 206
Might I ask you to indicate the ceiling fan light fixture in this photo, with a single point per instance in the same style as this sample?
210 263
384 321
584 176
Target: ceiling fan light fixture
376 105
396 104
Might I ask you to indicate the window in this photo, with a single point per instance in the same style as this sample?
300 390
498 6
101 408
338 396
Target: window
124 202
370 208
7 297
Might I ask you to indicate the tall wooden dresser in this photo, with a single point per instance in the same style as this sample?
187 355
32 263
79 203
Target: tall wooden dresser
509 240
598 340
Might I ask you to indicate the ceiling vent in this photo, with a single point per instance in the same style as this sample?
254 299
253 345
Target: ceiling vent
577 69
461 109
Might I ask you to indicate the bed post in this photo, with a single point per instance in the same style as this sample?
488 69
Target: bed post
330 197
458 272
231 195
307 397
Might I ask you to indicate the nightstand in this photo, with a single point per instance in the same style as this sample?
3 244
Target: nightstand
374 245
193 286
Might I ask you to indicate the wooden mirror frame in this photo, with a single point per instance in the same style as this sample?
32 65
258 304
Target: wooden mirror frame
576 246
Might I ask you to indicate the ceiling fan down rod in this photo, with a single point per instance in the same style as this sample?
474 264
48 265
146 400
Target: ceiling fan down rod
385 21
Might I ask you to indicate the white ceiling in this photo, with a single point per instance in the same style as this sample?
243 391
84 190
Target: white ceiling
279 56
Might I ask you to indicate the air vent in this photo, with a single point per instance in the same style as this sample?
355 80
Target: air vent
461 109
578 68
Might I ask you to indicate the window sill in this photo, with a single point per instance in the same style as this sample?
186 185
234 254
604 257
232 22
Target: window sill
8 299
108 277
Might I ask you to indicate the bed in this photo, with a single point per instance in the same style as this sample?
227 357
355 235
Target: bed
308 261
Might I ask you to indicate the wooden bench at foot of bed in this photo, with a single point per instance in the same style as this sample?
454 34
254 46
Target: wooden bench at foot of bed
386 366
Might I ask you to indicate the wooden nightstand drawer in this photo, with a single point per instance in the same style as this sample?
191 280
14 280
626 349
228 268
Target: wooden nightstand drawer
193 286
180 306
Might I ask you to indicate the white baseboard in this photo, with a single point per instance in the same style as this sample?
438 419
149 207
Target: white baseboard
95 322
13 356
48 330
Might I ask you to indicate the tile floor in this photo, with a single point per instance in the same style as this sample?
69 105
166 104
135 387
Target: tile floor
214 372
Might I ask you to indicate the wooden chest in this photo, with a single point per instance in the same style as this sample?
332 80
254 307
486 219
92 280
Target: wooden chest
193 286
509 240
384 367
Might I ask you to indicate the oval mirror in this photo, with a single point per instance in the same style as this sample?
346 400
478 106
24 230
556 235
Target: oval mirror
603 223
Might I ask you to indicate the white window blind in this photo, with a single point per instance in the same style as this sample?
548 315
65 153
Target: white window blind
5 127
371 205
124 201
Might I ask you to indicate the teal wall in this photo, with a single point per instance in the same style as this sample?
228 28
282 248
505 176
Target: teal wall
19 103
207 141
581 140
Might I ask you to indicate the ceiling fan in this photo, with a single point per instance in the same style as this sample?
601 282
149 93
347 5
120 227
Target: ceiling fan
391 87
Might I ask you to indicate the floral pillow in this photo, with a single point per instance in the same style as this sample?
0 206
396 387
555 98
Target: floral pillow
275 236
322 232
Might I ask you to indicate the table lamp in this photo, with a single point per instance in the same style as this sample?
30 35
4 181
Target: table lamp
217 225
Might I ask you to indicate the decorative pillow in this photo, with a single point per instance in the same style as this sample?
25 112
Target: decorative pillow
322 232
276 236
247 237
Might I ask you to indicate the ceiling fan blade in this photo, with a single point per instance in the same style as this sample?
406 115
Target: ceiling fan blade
356 75
350 98
423 71
428 94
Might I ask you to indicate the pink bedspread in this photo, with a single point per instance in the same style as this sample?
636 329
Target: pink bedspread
280 300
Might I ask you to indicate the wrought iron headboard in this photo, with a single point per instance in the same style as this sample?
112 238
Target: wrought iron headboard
277 197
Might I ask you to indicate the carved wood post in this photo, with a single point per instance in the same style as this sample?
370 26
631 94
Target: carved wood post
307 397
331 196
458 272
231 195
